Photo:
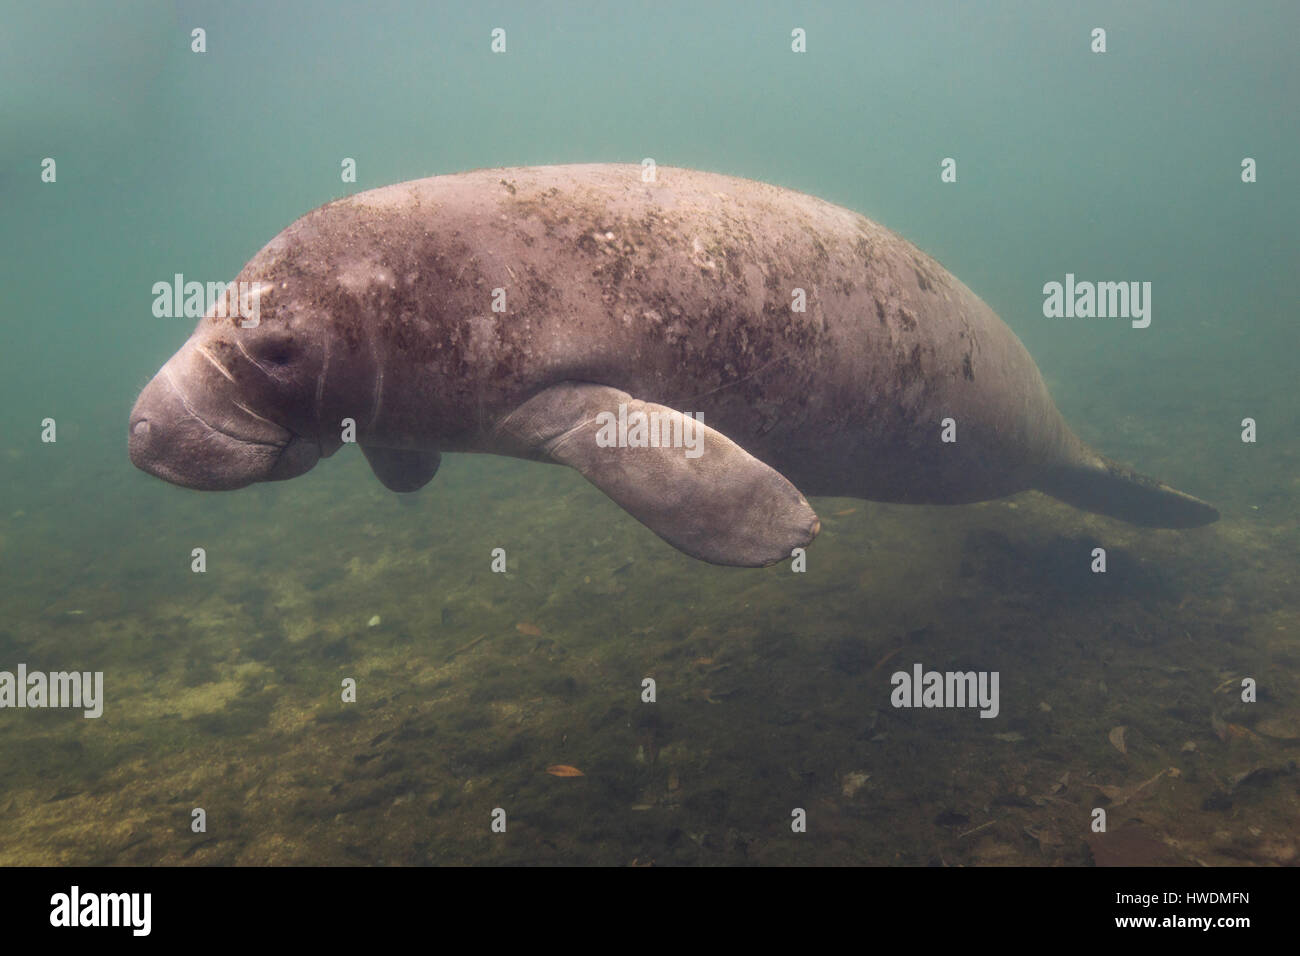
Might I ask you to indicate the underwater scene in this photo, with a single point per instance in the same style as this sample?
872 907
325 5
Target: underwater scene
829 434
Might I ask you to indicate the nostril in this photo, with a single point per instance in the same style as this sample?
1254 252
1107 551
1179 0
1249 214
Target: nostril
141 427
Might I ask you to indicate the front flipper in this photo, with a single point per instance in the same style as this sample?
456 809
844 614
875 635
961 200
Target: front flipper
402 469
722 505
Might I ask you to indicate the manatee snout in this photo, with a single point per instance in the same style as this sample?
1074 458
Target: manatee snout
191 433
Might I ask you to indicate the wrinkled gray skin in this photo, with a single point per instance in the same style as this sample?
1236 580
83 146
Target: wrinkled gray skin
378 308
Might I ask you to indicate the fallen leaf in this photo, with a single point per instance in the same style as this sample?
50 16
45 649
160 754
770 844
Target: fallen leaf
853 782
1122 795
1241 733
1046 837
1116 737
1283 727
1255 775
1220 727
564 770
529 628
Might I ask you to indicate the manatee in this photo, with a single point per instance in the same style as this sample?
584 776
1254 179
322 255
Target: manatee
561 313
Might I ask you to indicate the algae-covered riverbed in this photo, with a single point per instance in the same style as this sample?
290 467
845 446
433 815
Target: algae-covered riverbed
224 689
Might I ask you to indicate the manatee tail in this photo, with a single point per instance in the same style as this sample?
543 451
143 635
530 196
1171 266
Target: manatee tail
1105 487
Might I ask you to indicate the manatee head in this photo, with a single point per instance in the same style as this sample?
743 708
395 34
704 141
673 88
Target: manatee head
239 402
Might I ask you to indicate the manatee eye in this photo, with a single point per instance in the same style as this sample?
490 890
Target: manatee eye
277 351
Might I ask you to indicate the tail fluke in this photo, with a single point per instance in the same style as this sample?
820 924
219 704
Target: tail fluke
1106 487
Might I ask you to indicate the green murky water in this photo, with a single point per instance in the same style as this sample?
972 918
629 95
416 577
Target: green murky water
222 689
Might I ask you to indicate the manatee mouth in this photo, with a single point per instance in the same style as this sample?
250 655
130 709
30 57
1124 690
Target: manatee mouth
171 440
